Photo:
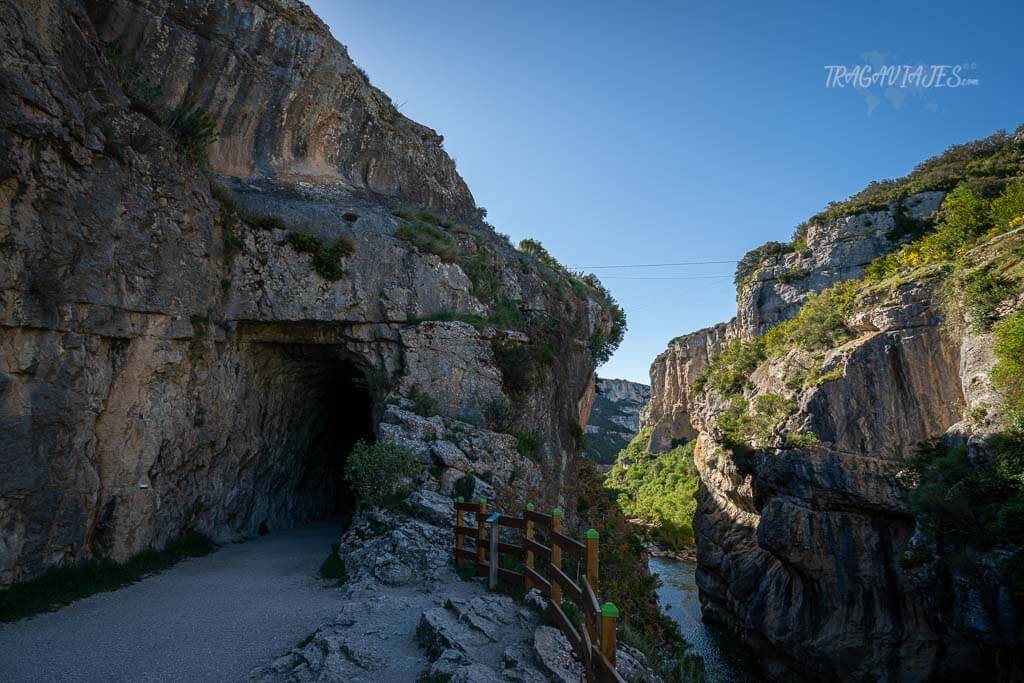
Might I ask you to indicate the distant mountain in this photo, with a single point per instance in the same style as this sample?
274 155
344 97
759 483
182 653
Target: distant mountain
615 417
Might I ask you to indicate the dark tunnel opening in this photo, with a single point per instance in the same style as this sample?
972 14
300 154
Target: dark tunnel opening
346 417
329 408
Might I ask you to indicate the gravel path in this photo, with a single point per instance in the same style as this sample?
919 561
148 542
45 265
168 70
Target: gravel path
211 618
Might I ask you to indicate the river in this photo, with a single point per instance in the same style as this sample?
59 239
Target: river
726 660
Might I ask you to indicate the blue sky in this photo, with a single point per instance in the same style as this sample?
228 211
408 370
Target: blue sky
633 133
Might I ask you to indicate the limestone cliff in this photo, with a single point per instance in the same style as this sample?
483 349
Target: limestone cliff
614 417
772 283
171 354
809 542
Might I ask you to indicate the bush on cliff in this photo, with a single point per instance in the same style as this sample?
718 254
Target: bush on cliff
982 164
379 473
658 488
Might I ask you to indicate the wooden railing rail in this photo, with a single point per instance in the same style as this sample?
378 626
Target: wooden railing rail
595 645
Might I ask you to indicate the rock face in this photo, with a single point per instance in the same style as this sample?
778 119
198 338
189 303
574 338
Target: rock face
673 373
836 250
798 546
169 362
771 292
614 417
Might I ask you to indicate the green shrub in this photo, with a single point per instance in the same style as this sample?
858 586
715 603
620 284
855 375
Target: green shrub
1008 373
326 261
528 444
424 404
464 487
499 414
379 473
1008 207
983 163
195 130
333 567
982 293
914 558
522 365
603 345
579 438
65 585
792 275
422 216
262 221
755 258
429 239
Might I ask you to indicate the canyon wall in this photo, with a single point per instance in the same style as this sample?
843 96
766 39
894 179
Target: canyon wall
170 355
804 517
614 417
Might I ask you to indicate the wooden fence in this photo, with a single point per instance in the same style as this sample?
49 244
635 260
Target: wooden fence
594 645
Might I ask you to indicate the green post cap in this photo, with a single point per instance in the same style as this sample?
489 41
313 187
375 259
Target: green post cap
609 609
460 499
529 506
592 533
557 512
483 501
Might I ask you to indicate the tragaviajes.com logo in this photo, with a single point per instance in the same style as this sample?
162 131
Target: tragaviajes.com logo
913 76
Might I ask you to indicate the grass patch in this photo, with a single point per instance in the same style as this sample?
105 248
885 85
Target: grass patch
67 584
333 567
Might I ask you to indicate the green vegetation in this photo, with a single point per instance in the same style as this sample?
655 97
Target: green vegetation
466 570
191 125
350 216
379 473
915 557
326 261
423 403
195 130
522 365
979 505
1008 373
658 488
263 221
333 567
980 165
820 325
624 580
792 275
528 444
464 487
67 584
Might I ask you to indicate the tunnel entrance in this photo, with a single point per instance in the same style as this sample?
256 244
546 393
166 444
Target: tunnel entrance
341 412
315 404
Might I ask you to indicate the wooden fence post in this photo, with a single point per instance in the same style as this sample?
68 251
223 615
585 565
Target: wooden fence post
556 556
609 617
481 546
592 555
459 538
528 534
